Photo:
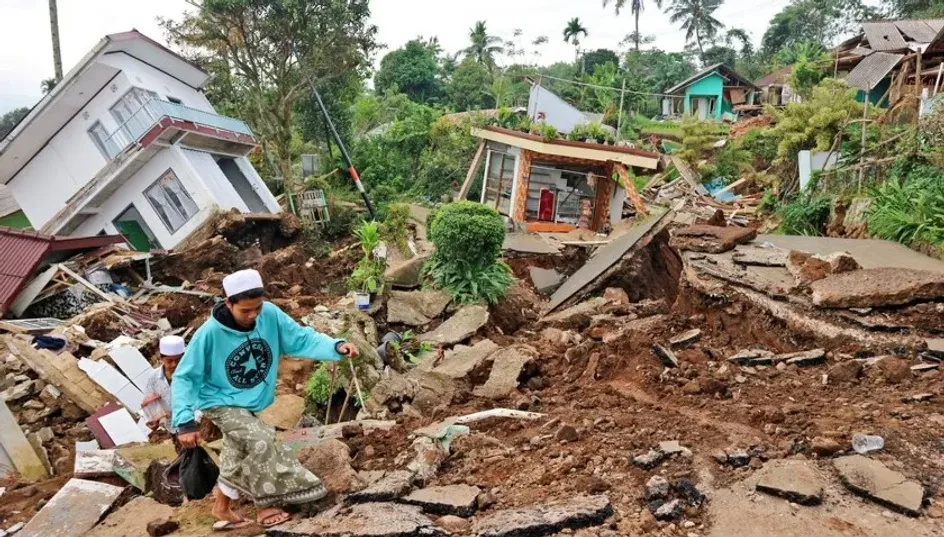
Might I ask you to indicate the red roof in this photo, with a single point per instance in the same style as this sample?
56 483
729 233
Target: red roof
22 252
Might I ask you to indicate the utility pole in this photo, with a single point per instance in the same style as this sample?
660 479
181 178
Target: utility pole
54 29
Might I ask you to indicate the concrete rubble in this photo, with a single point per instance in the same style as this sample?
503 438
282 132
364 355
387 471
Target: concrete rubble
458 500
795 481
546 519
362 520
874 481
458 328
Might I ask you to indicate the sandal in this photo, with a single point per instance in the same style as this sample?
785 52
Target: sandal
228 525
274 519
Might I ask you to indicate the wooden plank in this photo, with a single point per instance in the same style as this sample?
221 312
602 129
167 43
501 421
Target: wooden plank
470 175
631 189
86 283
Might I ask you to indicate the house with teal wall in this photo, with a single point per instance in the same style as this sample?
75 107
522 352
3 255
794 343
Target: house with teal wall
710 94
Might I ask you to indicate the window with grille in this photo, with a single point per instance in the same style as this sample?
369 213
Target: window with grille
171 201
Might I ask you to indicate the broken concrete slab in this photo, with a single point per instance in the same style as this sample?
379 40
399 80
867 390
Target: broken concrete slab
545 281
591 276
416 308
650 460
285 412
462 360
807 268
878 287
935 347
94 463
458 500
870 253
132 519
73 510
394 485
685 338
528 243
132 462
545 519
750 254
17 448
331 462
363 520
875 481
710 239
507 366
583 309
794 480
407 275
803 358
665 356
748 356
461 326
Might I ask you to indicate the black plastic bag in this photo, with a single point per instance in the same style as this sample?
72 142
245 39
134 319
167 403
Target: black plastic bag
195 472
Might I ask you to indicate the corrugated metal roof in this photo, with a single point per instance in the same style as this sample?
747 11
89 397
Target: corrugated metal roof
883 36
872 69
918 30
8 205
936 24
723 70
21 252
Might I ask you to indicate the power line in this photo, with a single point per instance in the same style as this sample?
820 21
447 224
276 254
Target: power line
587 84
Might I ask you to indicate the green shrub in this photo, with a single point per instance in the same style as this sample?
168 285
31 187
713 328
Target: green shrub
909 206
368 274
394 228
340 224
467 261
762 146
807 214
318 387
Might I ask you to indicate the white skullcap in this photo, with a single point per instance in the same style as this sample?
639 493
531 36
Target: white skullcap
242 281
172 346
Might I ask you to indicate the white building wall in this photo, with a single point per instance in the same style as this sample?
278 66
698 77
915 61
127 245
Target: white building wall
216 182
258 184
144 76
132 192
557 112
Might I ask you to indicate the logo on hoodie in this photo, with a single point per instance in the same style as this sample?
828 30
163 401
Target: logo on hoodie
249 365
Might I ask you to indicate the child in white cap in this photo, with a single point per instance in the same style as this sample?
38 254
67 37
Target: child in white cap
172 349
229 371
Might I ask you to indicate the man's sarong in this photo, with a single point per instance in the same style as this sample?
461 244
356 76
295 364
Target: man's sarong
254 463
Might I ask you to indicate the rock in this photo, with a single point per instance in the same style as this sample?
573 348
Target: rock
486 500
710 239
738 458
416 308
363 520
18 392
331 461
863 444
669 510
566 434
878 287
847 371
795 481
162 526
458 500
285 412
649 460
616 295
657 488
825 447
546 281
453 524
803 358
462 360
892 370
720 456
671 447
917 398
507 366
665 356
545 519
133 519
692 387
408 275
50 396
749 356
873 480
45 434
807 268
685 338
392 486
689 492
461 326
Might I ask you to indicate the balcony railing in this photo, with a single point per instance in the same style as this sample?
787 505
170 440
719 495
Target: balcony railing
153 111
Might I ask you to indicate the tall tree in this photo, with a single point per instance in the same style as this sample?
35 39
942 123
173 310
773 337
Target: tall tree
696 17
10 119
54 30
471 86
597 57
272 48
572 34
915 8
635 7
413 69
484 47
813 21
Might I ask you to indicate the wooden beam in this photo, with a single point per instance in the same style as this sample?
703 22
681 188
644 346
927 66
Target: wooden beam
88 284
630 189
467 184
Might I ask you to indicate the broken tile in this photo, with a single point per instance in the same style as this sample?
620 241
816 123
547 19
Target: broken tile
685 338
507 365
73 510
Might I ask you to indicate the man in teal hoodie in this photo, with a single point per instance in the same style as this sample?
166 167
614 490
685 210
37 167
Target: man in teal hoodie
229 372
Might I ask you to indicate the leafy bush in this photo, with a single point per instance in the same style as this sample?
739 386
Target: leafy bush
697 140
548 132
468 238
814 123
728 163
394 228
807 214
762 146
318 387
368 274
409 348
909 207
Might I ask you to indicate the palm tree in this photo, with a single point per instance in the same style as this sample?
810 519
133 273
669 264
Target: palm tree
635 7
572 35
484 47
697 19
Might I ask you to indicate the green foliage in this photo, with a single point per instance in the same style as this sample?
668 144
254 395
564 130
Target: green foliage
483 47
697 18
816 21
909 206
729 163
409 348
471 86
697 140
762 145
598 57
916 9
768 204
394 228
814 124
318 387
468 238
590 132
811 63
10 119
548 132
806 214
368 274
413 70
930 134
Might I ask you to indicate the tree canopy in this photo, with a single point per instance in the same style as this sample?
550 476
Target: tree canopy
10 119
414 70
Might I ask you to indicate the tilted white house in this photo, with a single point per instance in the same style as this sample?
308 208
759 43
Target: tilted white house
127 143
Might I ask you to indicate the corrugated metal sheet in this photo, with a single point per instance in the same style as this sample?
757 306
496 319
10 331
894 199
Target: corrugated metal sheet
918 31
883 36
19 255
936 24
861 51
872 69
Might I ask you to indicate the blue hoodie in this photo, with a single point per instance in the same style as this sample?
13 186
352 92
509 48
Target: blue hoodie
224 366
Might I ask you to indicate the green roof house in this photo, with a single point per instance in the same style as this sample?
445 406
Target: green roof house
709 94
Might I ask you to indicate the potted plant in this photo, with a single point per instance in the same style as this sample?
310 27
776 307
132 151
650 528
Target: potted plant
367 279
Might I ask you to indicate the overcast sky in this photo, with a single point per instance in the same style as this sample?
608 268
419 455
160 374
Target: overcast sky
26 50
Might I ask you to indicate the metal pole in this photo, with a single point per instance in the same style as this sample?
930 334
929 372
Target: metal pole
619 121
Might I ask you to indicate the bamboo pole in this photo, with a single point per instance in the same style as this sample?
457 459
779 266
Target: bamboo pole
865 115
